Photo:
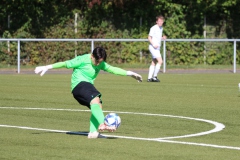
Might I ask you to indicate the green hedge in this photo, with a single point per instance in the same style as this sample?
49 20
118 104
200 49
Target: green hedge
119 20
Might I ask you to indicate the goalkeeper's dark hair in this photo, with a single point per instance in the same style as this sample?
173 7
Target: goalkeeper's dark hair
99 53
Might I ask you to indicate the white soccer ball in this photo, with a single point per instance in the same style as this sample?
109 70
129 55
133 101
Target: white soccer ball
112 120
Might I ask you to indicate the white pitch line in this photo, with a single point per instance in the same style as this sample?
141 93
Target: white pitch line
36 129
218 127
133 138
200 144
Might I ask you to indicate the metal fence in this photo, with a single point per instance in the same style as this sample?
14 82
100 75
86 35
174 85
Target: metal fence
128 40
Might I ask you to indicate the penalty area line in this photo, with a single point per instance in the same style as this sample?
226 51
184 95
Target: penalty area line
124 137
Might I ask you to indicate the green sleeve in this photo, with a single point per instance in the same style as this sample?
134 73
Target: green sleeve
116 70
59 65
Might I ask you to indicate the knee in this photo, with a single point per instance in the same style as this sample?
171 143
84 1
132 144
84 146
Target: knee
96 100
153 63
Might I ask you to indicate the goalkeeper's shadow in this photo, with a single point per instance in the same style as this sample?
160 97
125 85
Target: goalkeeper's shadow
85 133
78 133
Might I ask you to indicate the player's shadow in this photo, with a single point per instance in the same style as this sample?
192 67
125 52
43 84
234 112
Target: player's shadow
77 133
80 133
84 133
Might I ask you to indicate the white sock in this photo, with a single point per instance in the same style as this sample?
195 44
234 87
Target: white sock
151 70
157 69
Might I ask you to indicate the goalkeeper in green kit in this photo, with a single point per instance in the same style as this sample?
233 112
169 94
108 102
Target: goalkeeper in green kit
85 70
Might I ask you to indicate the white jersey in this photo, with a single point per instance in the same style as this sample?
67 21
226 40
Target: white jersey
156 34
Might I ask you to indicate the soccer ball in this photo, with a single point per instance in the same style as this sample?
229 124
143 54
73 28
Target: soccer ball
112 120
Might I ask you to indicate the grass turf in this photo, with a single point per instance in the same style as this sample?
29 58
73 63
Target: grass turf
207 96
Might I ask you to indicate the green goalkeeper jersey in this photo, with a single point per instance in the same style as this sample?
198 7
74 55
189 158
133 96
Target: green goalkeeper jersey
85 70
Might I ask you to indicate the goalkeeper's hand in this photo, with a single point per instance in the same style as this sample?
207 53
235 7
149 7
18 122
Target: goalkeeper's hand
42 69
135 76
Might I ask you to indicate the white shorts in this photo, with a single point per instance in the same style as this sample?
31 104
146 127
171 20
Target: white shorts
155 52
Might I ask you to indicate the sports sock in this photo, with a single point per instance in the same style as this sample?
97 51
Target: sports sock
157 69
151 70
97 117
93 124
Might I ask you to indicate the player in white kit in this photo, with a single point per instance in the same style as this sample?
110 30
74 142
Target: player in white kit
155 37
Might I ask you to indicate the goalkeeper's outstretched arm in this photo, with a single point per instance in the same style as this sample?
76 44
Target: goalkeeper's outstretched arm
43 69
119 71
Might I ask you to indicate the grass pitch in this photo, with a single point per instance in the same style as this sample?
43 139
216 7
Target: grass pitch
28 100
